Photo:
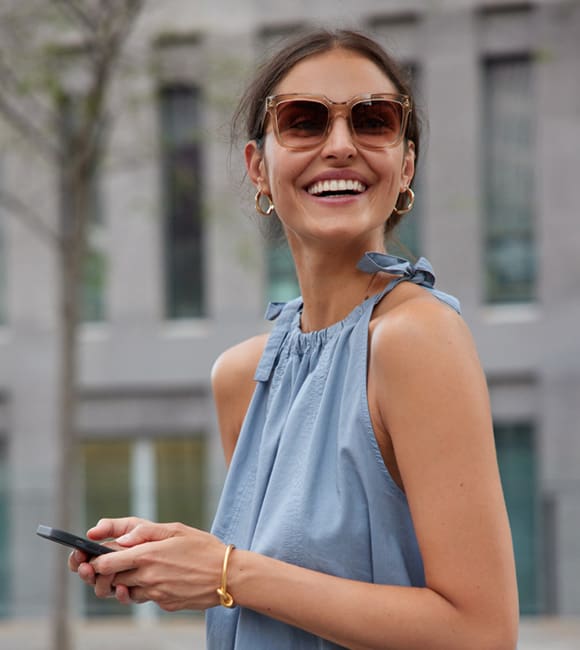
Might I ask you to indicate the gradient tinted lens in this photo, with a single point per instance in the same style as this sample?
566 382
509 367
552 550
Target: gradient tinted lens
301 122
377 122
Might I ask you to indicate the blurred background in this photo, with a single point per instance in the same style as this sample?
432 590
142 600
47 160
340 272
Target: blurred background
172 268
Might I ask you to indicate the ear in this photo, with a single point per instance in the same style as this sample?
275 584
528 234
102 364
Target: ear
408 168
255 164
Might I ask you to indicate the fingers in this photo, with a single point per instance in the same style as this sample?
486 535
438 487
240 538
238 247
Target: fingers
128 588
118 562
135 572
170 564
147 531
134 544
104 586
124 596
107 528
130 531
101 578
75 559
87 573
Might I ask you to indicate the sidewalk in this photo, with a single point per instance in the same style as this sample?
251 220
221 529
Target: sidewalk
550 634
109 634
536 634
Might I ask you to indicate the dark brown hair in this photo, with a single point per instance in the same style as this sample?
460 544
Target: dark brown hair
249 116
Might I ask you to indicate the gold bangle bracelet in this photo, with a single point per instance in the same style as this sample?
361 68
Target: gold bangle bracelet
226 599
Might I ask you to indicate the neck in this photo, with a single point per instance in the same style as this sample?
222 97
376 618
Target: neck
331 286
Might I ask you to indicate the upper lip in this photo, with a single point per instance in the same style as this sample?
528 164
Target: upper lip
337 174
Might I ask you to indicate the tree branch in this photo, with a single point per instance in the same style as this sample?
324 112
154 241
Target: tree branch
79 14
11 88
114 28
15 206
47 147
9 80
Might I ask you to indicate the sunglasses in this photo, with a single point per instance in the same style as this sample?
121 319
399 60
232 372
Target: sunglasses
303 122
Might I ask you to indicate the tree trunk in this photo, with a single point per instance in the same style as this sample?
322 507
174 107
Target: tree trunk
102 29
70 260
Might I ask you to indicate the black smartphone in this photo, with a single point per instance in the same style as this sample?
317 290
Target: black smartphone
74 541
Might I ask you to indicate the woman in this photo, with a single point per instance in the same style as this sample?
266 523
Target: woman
362 507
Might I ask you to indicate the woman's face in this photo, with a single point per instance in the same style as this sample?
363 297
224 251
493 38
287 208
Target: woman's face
292 178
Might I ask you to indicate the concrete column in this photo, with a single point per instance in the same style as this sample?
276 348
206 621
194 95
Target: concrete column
32 393
449 61
558 101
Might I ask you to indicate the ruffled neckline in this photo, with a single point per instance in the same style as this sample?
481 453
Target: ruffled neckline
420 272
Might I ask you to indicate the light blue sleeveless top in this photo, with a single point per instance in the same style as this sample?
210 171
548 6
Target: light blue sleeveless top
307 483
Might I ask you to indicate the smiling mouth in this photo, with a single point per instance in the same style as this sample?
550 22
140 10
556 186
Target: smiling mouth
336 187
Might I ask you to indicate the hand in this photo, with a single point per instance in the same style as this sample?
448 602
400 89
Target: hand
176 566
79 562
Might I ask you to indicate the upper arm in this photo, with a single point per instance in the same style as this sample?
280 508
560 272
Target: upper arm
233 385
434 405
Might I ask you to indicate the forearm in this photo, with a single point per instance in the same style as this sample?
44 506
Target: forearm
355 614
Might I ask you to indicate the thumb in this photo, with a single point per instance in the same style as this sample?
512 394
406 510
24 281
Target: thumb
144 532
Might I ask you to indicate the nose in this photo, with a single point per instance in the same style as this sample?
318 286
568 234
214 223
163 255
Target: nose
339 142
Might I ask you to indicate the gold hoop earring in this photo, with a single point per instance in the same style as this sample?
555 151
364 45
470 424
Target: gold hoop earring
410 201
257 199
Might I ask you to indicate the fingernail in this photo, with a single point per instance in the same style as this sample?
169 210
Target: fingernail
123 539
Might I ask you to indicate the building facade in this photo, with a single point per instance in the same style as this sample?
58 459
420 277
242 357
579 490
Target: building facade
178 270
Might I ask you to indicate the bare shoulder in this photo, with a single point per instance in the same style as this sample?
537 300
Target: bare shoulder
411 321
238 363
429 388
233 385
422 354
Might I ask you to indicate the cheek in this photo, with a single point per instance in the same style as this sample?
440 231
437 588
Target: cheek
271 165
390 168
283 171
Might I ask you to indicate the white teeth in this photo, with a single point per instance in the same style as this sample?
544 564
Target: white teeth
336 185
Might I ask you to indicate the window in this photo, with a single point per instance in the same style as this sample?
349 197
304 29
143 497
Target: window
282 284
180 107
107 494
92 308
273 37
3 264
94 278
518 469
2 271
406 238
4 532
180 468
508 148
160 479
281 281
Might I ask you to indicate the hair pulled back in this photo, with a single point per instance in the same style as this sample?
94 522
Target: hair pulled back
249 116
